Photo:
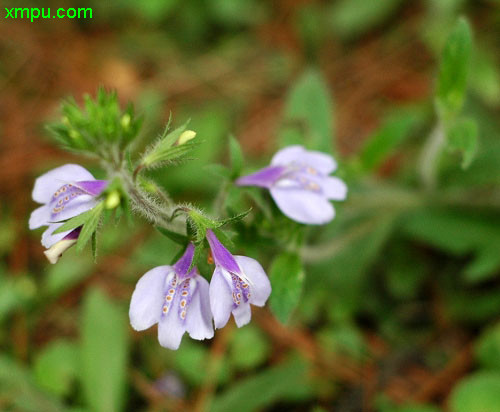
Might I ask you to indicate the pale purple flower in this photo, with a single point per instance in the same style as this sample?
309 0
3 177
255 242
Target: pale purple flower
237 282
299 184
174 298
64 192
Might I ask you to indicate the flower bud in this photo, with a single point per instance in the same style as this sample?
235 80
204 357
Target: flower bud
186 137
56 251
112 200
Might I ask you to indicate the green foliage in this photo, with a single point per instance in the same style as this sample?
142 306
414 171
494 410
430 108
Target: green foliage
98 125
249 348
287 279
57 366
454 70
236 156
395 129
285 381
104 352
19 392
309 114
487 348
479 392
462 136
460 234
349 18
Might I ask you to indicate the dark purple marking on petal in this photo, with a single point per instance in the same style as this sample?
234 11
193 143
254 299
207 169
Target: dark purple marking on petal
181 267
92 187
60 199
239 289
263 178
73 234
222 256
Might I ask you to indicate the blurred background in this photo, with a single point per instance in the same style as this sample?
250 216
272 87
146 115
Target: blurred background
399 313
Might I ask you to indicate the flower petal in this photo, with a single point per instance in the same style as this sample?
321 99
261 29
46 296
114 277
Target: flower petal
39 217
199 316
148 297
242 314
221 301
92 187
322 162
74 208
334 188
49 239
263 178
303 206
47 184
222 256
182 265
260 287
170 331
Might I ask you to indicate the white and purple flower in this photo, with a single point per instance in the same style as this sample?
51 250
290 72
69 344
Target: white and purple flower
64 192
237 282
174 298
299 182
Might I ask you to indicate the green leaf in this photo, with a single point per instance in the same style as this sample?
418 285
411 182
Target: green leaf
19 392
236 156
104 353
285 381
487 348
287 279
309 113
462 136
395 129
460 234
479 392
350 18
56 366
249 348
454 70
176 237
74 222
90 226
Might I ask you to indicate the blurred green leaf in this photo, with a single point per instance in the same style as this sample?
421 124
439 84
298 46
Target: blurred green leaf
394 130
15 292
19 393
479 392
309 113
104 352
236 156
460 234
288 380
249 348
454 70
487 348
287 279
56 366
462 136
66 274
485 78
350 18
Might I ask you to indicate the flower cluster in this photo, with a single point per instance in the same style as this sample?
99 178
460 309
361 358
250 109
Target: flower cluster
178 298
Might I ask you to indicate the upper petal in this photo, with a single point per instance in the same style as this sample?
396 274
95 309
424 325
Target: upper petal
221 255
39 217
199 316
221 301
242 314
260 287
73 208
303 206
148 297
319 161
263 178
47 184
334 188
